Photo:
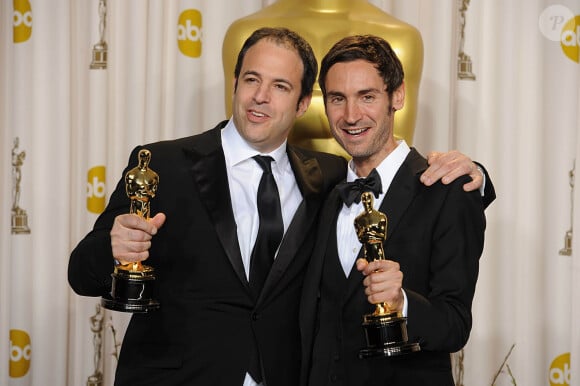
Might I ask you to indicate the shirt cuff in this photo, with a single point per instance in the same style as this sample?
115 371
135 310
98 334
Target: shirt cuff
482 187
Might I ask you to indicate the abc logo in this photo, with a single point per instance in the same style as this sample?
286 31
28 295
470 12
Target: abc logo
560 370
22 21
96 189
189 33
570 38
20 353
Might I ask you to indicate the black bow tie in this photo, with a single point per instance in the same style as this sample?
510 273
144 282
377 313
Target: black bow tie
351 191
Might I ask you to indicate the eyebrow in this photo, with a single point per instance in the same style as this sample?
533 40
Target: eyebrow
368 91
334 94
359 92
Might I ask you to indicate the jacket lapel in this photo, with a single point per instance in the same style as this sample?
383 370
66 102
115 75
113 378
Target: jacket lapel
209 173
324 236
403 190
355 278
313 276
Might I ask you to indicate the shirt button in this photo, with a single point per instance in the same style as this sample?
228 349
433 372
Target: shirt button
255 316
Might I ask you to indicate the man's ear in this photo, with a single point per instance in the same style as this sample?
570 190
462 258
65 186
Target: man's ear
234 85
303 105
399 97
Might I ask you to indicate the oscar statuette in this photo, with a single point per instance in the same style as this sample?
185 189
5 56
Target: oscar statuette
100 50
19 216
385 329
133 286
96 378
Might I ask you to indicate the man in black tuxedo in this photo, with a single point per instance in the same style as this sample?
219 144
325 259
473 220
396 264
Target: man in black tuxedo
214 327
433 243
211 324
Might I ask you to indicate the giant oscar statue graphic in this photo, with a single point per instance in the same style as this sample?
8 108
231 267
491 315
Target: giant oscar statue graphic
322 23
385 329
133 287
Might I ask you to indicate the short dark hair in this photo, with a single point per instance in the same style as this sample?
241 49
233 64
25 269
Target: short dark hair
288 38
374 50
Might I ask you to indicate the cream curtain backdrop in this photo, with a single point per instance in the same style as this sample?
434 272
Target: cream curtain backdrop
66 131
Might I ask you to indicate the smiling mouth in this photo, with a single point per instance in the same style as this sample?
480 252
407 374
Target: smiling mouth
257 114
356 131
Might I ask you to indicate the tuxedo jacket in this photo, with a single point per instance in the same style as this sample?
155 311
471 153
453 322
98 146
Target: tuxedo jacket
436 234
208 322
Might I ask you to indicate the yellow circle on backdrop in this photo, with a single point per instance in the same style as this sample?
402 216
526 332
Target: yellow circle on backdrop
189 33
22 21
20 353
560 370
570 38
96 189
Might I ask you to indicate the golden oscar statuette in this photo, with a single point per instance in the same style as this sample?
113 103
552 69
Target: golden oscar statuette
385 329
322 23
133 286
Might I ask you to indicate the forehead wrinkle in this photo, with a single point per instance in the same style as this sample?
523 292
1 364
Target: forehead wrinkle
365 91
369 91
275 80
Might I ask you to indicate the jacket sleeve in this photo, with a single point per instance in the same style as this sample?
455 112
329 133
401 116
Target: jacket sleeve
440 319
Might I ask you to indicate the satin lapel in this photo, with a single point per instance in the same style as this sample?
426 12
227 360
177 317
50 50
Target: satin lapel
403 190
309 179
209 173
355 278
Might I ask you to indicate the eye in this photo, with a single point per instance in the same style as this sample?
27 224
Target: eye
368 98
250 79
281 87
335 99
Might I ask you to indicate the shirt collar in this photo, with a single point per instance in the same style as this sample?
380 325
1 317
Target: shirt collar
387 168
237 150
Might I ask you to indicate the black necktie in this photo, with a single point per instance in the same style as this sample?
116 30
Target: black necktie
271 226
270 234
351 191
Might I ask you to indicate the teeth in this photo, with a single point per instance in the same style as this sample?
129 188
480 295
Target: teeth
257 114
355 131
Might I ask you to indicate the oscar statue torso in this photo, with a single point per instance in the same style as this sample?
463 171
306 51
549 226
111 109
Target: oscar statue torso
371 229
322 23
141 185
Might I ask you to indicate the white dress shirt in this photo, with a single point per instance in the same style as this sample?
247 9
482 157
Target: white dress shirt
244 176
